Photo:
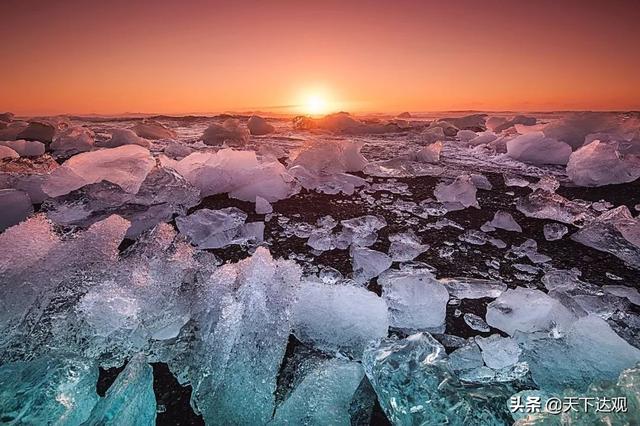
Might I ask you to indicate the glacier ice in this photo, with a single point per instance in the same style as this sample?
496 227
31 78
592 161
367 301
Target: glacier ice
259 126
125 166
72 140
151 129
504 220
416 300
263 206
461 191
57 389
339 318
499 352
615 231
429 154
406 246
25 148
415 385
38 130
229 133
601 163
473 288
536 148
527 310
554 231
475 322
211 229
6 152
15 206
130 399
329 157
542 204
239 173
368 263
120 137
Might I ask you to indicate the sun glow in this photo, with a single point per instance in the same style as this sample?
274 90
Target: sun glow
315 105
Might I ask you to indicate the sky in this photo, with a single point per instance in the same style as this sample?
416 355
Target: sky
179 57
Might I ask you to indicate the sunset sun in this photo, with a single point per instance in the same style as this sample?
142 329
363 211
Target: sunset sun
315 105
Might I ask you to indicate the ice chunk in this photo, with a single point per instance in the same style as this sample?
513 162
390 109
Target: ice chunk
601 163
324 396
473 288
263 206
42 131
406 246
343 122
476 323
151 129
589 351
461 191
25 148
6 152
541 204
623 291
466 135
535 148
130 399
339 318
237 172
499 124
15 206
514 180
416 300
481 182
475 122
415 386
126 166
229 133
430 153
529 249
554 231
120 137
527 310
177 150
499 352
55 389
432 135
573 128
546 183
615 231
329 184
504 220
243 341
362 231
211 229
368 263
72 140
259 126
330 157
468 357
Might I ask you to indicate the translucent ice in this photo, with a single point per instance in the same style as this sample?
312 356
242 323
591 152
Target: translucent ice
430 153
476 323
329 157
406 246
554 231
416 300
25 148
130 399
601 163
72 140
527 310
126 166
259 126
473 288
55 389
362 231
229 133
415 385
504 220
368 263
120 137
615 231
535 148
542 204
339 318
263 206
211 229
151 129
461 191
15 206
499 352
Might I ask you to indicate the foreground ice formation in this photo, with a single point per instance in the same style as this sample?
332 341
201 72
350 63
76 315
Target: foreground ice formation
212 229
126 166
601 163
460 192
537 149
339 318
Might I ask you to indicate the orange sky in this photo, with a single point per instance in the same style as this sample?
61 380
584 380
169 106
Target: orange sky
362 56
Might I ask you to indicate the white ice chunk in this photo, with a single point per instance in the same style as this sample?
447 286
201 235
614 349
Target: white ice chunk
535 148
406 246
461 191
368 263
416 300
504 220
339 318
211 229
601 163
25 148
330 157
473 288
259 126
499 352
527 310
263 206
126 166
